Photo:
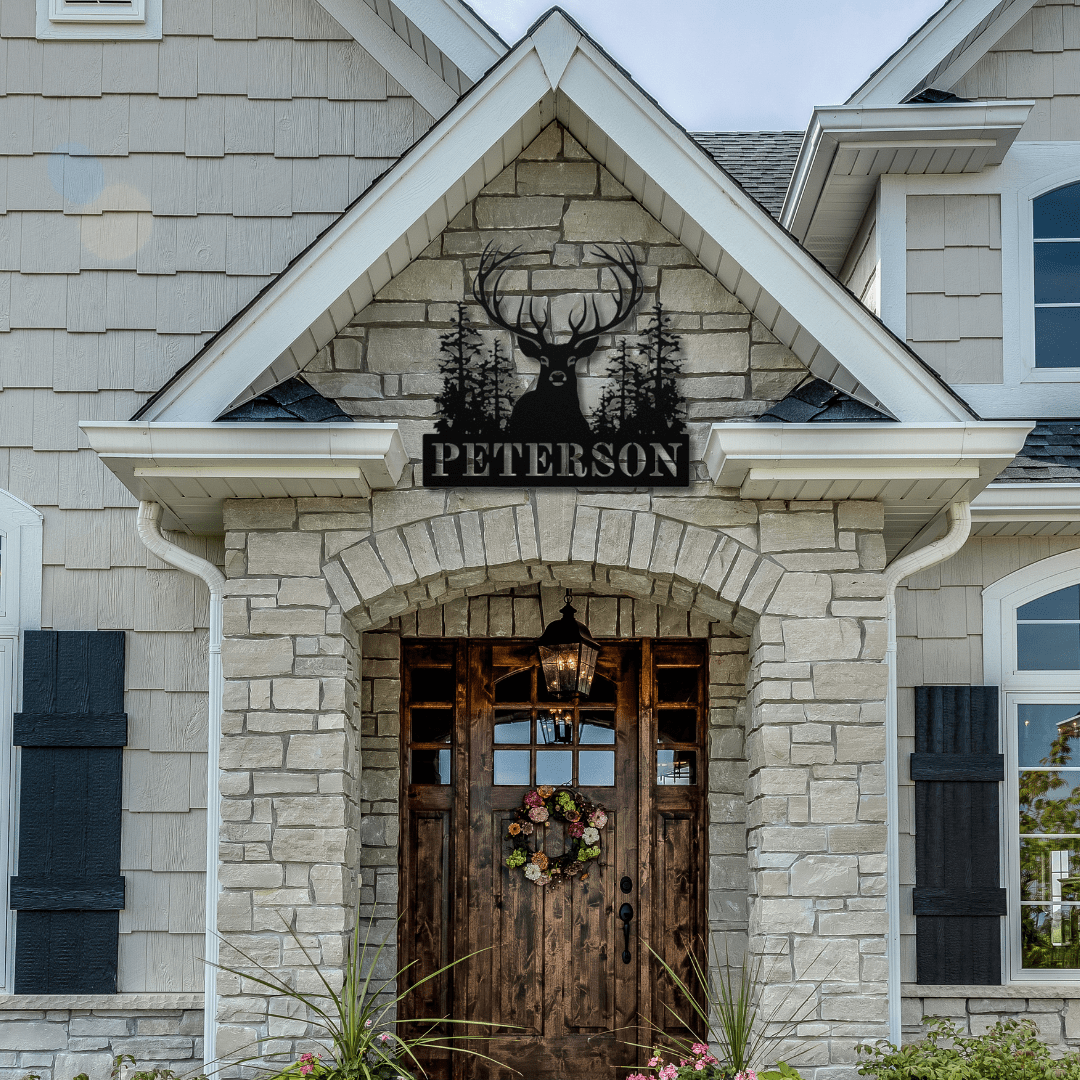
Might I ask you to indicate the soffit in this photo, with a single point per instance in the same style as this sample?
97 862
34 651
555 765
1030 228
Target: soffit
556 73
191 469
915 470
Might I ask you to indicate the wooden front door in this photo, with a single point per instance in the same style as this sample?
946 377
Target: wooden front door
479 732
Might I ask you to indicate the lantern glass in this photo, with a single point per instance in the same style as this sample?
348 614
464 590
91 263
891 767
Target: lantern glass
568 656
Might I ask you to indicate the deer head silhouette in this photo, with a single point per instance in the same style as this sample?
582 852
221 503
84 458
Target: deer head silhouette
550 411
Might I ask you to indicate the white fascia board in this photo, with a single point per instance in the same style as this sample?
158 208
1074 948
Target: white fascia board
859 451
728 216
458 31
365 26
357 241
996 122
928 47
1027 502
192 468
626 131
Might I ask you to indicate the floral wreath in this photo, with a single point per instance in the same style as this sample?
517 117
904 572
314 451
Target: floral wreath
584 819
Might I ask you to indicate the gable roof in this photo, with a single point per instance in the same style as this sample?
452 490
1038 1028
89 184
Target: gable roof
942 50
556 73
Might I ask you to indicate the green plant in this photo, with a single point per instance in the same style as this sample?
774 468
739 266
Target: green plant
354 1027
726 1005
119 1072
1010 1050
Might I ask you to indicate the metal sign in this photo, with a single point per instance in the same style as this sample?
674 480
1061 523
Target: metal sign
484 437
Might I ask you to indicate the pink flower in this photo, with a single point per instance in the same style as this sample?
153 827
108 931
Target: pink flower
669 1072
576 829
748 1074
710 1060
637 1076
533 799
654 1061
538 813
699 1065
307 1062
367 1023
598 819
384 1037
699 1049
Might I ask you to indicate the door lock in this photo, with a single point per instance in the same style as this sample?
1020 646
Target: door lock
626 885
626 913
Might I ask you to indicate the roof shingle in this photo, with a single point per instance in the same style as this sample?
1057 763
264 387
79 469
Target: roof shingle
761 161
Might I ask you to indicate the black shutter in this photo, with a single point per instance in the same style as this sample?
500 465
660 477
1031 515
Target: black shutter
958 900
69 892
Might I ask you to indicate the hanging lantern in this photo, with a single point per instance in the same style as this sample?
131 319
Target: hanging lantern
568 655
557 727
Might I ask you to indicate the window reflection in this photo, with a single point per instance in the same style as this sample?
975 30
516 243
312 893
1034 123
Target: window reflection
430 767
676 767
596 768
1056 220
512 727
1048 632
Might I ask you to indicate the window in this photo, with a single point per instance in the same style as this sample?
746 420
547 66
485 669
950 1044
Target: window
96 20
1056 230
1032 649
20 609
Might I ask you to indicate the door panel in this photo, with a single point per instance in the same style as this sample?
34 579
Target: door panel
549 959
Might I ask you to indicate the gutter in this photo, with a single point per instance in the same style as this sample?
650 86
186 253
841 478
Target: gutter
149 525
959 515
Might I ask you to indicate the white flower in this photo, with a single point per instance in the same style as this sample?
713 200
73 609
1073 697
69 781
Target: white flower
591 836
533 872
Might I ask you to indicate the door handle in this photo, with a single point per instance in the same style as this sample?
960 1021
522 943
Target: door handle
626 913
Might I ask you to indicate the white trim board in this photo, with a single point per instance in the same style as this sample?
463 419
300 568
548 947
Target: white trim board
557 73
458 31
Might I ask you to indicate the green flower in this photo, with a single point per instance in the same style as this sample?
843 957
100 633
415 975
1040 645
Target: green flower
516 858
586 853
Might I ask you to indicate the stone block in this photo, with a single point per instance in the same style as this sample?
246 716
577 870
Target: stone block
546 146
395 350
609 222
804 531
428 280
284 622
284 554
696 290
242 658
857 839
310 845
297 695
708 354
241 514
253 875
1072 1019
833 801
32 1035
860 515
323 812
807 595
860 744
825 875
826 961
556 178
251 752
852 681
303 592
820 639
852 923
321 752
779 915
524 212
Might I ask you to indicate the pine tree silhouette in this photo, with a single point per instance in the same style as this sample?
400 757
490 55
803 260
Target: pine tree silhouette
663 408
460 402
618 400
497 382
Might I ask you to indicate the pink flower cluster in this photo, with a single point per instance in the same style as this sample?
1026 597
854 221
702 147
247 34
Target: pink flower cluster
307 1062
575 829
598 819
533 799
538 813
672 1071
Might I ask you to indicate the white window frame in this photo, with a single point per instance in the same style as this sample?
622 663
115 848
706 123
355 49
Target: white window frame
1000 602
20 609
140 20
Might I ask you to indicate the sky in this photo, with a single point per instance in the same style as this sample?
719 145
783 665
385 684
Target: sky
736 65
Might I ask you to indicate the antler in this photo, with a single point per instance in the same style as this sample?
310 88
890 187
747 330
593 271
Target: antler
629 294
486 292
490 273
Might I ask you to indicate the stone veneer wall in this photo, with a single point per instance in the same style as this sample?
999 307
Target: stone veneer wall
555 204
800 580
87 1035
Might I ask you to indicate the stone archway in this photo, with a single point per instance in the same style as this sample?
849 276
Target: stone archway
799 580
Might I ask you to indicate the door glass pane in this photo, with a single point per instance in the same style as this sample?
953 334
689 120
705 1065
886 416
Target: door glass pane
516 687
596 727
430 767
603 690
555 727
1048 646
512 727
1057 337
1048 734
432 725
1057 213
554 767
676 725
432 684
1057 273
1050 801
1050 869
676 767
677 686
1049 935
596 768
511 768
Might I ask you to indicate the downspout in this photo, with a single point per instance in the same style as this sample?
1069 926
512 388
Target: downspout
150 533
959 516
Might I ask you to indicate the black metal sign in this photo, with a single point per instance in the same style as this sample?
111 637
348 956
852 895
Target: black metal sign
484 437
